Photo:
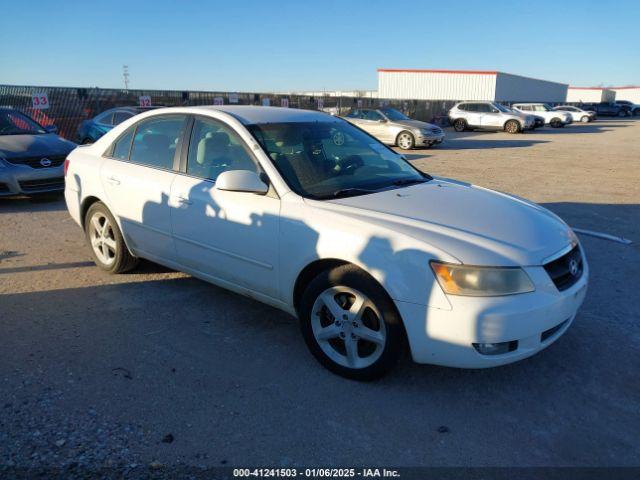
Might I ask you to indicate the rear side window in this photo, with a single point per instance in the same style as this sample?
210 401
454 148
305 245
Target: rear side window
354 114
463 107
122 146
156 140
371 115
105 118
120 117
472 107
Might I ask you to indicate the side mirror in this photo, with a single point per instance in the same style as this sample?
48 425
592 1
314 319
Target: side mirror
382 120
241 181
495 110
51 129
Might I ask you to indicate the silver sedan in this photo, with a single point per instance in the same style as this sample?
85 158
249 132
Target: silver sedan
394 128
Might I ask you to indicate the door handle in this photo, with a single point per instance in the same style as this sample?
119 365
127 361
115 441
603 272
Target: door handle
113 180
184 200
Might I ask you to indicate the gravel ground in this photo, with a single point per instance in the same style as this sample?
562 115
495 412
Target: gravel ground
155 369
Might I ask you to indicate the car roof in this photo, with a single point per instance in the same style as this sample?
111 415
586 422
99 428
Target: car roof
249 114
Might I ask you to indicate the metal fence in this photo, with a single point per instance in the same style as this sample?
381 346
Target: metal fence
67 107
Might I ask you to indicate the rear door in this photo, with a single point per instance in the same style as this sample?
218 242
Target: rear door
137 179
473 114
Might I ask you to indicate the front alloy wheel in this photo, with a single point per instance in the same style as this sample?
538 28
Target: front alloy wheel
512 126
585 119
350 324
405 141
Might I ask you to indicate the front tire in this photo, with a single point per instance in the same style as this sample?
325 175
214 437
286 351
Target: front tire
105 240
405 140
585 119
350 324
622 113
512 126
460 125
555 123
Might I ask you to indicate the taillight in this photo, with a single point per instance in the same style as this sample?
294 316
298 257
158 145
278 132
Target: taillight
66 166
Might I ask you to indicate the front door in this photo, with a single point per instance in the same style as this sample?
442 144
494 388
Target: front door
231 236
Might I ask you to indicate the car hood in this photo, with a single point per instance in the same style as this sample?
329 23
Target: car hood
34 145
413 124
475 225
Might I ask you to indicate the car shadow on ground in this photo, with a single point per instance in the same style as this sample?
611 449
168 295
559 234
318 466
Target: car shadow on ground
466 144
45 203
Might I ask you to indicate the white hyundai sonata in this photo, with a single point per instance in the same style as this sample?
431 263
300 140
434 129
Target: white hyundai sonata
304 211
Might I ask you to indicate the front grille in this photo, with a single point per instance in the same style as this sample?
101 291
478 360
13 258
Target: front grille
35 162
4 188
561 271
46 184
552 331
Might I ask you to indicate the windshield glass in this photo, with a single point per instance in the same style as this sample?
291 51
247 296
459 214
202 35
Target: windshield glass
16 123
502 108
332 159
393 114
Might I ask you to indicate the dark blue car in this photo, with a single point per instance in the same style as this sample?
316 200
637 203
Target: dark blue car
91 130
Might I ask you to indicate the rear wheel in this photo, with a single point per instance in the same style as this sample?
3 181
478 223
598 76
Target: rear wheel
460 125
585 119
109 251
405 140
512 126
555 123
622 113
350 324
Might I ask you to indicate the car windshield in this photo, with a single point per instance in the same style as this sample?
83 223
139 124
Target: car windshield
16 123
333 159
502 108
393 114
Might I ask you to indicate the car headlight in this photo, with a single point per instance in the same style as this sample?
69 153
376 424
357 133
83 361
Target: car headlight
481 281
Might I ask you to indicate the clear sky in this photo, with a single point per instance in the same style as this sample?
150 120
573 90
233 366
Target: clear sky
247 45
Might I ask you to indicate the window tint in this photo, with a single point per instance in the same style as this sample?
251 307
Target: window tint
354 114
122 146
215 148
120 117
105 118
156 140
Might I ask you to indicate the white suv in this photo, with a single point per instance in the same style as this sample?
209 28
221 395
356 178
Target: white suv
551 117
488 116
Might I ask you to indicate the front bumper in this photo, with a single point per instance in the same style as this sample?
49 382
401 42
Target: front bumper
533 320
429 139
24 180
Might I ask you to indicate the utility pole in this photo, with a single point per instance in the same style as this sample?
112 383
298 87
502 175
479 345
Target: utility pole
125 76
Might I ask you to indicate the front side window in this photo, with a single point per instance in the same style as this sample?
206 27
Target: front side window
371 115
215 148
16 123
484 108
332 159
354 114
394 115
501 108
156 140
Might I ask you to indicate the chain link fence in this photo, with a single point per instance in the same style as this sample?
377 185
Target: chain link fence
67 107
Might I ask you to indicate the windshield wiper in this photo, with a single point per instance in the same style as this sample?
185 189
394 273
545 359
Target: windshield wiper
349 192
409 181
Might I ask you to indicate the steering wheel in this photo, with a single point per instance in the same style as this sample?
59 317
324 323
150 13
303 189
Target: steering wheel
350 164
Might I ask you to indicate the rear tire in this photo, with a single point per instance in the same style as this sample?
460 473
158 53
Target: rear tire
460 125
405 140
512 126
555 123
622 113
350 324
106 242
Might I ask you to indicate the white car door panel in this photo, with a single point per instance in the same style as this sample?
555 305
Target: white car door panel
138 197
229 235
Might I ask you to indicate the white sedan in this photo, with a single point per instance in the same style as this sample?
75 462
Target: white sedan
305 212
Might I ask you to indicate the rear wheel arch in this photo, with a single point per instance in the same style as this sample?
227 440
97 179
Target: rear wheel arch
85 205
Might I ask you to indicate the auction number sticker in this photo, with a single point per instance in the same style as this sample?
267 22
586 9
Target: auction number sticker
40 101
145 100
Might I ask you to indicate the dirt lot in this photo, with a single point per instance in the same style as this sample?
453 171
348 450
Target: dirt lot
102 370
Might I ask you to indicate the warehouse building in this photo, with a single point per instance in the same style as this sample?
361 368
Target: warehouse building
631 94
590 95
466 85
